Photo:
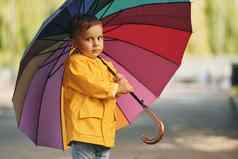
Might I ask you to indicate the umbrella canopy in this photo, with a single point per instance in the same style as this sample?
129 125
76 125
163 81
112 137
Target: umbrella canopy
145 40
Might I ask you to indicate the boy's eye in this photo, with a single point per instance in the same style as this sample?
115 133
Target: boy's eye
100 37
88 39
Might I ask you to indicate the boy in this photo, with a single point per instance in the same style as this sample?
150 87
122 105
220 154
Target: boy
89 93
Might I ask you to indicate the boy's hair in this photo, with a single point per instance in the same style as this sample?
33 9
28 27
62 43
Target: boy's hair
81 23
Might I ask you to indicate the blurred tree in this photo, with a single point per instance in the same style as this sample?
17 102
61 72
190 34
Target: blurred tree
8 31
198 43
222 26
19 21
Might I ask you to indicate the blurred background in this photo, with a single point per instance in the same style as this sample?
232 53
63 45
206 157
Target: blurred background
198 106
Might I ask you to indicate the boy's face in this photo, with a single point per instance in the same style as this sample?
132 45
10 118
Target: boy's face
90 42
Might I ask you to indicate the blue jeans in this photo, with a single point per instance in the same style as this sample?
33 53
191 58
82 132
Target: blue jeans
82 150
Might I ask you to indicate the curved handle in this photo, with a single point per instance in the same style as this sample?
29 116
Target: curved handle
159 124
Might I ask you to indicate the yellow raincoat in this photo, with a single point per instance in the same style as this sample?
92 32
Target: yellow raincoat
88 102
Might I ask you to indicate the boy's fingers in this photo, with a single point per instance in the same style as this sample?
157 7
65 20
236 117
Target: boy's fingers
131 89
119 76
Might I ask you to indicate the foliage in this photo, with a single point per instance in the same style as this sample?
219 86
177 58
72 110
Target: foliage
19 21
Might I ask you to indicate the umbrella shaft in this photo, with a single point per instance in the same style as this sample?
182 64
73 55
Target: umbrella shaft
131 93
138 100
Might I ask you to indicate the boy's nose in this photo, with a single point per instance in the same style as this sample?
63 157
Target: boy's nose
96 43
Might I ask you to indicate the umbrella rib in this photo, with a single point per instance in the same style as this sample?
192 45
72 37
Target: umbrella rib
158 15
141 102
38 123
53 40
80 4
44 53
108 7
162 26
84 7
64 52
123 113
38 116
64 30
96 5
93 7
152 52
80 7
112 17
57 34
25 100
51 74
52 51
126 70
143 5
109 40
114 74
114 28
18 77
61 126
56 49
56 58
60 26
173 17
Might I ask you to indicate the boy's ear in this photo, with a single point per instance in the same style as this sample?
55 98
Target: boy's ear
74 44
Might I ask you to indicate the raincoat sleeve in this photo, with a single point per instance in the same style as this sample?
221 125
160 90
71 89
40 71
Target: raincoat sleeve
82 80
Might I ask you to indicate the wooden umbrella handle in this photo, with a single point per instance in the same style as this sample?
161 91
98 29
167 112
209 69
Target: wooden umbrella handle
159 124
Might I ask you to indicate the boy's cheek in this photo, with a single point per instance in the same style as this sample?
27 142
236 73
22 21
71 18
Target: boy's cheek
87 46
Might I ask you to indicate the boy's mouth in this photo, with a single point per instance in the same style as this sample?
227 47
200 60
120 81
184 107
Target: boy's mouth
96 50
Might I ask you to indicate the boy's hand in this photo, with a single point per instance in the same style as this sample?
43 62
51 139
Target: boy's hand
119 77
124 86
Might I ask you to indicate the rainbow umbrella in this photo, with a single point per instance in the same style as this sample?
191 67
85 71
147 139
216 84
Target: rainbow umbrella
145 40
